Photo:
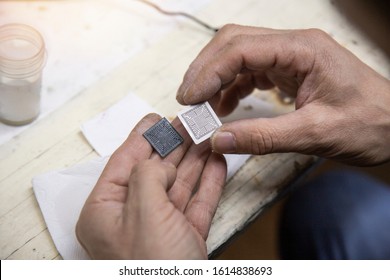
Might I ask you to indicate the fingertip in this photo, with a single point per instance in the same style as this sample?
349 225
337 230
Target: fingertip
151 116
218 157
182 97
179 97
144 124
192 95
223 111
223 142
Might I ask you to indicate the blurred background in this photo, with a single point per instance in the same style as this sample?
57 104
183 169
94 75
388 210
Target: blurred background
259 241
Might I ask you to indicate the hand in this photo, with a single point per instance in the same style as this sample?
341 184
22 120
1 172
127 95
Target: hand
343 106
130 213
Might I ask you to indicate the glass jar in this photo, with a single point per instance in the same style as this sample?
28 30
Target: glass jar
22 58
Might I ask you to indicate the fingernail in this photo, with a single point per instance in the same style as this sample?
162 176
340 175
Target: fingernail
185 95
224 142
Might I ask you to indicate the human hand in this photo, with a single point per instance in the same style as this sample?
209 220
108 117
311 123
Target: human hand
145 207
343 106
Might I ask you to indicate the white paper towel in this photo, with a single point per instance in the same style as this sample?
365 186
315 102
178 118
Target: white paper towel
61 194
108 130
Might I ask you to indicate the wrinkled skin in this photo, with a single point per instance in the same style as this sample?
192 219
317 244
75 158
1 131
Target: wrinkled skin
145 207
342 105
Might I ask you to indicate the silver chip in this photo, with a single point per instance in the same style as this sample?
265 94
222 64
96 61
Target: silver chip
200 121
163 137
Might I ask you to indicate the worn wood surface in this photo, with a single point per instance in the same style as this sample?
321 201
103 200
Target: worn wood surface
56 141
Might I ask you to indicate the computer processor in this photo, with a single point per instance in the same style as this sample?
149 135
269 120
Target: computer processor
163 137
200 121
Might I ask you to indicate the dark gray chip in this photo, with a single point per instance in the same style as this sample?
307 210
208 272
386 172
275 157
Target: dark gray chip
163 137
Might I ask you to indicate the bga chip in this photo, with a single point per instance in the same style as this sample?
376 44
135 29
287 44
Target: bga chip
200 121
163 137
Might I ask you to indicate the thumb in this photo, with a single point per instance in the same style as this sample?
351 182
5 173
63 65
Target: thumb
149 182
292 132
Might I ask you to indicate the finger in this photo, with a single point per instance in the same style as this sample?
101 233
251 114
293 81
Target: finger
148 185
285 53
242 87
202 206
188 174
287 84
222 38
293 132
215 100
224 35
133 150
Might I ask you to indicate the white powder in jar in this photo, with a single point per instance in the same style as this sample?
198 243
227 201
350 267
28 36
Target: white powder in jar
22 58
19 101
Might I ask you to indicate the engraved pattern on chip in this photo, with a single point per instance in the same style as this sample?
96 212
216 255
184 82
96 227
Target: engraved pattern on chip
200 121
163 137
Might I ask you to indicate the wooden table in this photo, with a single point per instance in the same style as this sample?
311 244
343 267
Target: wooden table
56 142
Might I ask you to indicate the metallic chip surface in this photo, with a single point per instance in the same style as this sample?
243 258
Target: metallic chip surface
200 121
163 137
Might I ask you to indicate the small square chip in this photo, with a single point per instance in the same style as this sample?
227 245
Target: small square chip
163 137
200 121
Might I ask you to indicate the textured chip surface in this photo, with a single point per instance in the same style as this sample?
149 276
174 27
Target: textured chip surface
163 137
200 121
